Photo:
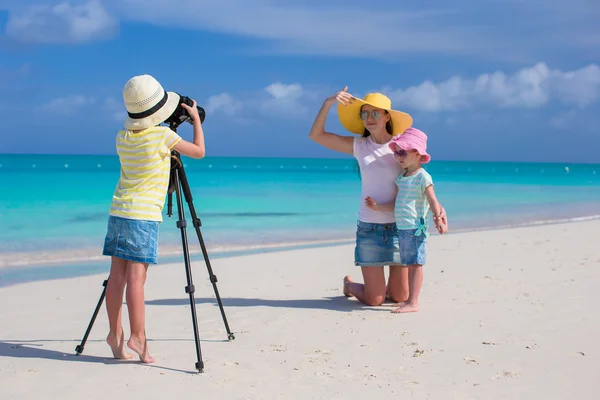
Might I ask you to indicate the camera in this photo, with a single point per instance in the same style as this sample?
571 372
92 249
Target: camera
181 115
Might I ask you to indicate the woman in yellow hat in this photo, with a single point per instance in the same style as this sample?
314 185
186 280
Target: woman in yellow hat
374 123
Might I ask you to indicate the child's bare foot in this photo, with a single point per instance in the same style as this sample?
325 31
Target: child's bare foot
140 346
347 281
406 307
117 345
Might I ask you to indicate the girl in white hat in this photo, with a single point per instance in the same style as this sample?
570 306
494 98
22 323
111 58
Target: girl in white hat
144 150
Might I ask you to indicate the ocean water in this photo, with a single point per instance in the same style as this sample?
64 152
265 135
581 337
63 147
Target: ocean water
53 208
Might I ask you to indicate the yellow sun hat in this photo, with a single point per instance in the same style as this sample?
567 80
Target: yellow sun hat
350 114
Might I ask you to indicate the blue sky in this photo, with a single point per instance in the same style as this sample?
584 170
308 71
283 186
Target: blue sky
486 79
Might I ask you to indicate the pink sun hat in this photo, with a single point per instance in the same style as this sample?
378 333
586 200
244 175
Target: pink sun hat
412 139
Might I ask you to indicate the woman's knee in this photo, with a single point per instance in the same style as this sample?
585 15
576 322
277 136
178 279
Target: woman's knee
374 292
375 301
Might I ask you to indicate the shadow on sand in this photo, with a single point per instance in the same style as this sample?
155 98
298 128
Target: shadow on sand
35 349
336 303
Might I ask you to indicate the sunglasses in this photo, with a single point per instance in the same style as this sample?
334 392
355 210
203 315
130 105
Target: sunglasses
364 115
402 153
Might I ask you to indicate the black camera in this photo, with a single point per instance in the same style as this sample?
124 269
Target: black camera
181 115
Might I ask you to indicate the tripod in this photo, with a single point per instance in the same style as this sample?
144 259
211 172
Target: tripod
178 183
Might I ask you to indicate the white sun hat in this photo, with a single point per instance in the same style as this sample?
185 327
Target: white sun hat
147 103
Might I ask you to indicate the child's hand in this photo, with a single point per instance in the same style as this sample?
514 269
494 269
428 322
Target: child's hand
193 111
441 226
371 203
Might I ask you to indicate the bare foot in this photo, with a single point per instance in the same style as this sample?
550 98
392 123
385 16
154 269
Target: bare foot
406 307
347 281
140 346
117 345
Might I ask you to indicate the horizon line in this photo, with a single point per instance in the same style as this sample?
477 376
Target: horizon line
339 158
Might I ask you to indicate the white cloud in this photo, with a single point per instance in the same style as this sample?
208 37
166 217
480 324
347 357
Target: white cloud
67 105
61 23
277 100
285 100
531 87
284 92
523 30
315 27
224 103
579 87
509 30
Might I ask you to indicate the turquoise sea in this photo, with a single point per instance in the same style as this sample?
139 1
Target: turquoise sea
54 207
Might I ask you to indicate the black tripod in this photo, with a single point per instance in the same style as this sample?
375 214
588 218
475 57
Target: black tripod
177 183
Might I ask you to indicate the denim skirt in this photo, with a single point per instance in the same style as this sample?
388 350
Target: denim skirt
132 239
413 249
376 245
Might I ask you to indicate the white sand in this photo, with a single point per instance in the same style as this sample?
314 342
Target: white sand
508 314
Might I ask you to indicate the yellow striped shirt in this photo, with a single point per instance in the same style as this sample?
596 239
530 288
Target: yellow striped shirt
145 168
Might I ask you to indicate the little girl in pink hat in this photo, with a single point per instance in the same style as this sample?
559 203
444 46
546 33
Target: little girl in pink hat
415 197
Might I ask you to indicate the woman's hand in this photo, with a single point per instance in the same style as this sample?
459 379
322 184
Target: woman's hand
343 144
343 97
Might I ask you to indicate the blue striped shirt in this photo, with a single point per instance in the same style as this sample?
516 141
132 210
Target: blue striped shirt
411 203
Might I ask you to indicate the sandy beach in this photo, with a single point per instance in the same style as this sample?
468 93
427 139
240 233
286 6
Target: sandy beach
505 314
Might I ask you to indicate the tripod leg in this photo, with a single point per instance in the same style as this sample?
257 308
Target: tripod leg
196 221
212 276
189 289
79 348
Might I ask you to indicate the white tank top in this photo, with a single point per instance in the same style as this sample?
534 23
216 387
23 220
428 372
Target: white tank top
378 169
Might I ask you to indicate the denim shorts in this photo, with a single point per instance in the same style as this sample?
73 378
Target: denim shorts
376 244
413 249
131 239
